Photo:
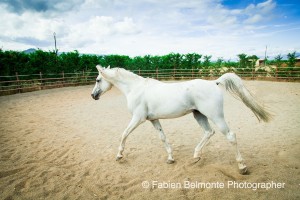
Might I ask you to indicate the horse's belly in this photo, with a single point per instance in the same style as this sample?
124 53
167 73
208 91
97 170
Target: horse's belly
167 111
166 116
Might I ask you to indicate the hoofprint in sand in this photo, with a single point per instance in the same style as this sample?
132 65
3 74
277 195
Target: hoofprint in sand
59 143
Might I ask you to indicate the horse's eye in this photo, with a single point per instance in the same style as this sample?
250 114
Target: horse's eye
98 80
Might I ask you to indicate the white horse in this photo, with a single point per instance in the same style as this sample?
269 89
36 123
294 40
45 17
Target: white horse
149 99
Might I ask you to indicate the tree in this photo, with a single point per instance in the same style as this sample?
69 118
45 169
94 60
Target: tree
116 61
156 62
175 60
278 60
12 62
137 63
147 62
191 60
206 61
70 62
291 62
243 60
169 61
252 59
45 62
219 63
88 62
41 61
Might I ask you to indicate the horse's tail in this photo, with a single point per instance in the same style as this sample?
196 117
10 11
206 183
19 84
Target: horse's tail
234 84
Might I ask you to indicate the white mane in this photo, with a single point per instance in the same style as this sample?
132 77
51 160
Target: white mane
125 73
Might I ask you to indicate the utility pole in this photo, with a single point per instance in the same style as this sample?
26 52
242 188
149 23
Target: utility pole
266 55
55 48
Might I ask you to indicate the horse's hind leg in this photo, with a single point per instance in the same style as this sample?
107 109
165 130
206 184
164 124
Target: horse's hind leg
162 135
222 125
208 132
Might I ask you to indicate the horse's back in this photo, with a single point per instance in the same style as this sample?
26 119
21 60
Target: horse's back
197 88
180 98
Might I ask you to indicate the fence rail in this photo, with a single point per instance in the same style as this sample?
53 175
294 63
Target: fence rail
26 83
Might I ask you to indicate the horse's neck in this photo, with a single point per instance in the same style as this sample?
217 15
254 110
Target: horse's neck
126 85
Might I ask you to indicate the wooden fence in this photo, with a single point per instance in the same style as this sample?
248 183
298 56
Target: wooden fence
26 83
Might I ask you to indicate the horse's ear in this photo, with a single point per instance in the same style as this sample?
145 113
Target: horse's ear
108 67
99 68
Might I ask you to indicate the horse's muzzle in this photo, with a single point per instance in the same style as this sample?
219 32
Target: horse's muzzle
96 97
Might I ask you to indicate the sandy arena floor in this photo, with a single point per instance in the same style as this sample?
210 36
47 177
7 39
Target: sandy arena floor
61 144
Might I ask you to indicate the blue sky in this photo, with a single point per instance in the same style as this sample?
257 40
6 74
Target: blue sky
221 28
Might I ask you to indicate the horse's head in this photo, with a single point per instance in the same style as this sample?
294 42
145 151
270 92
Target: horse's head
102 84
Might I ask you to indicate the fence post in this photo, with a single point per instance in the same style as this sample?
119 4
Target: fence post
276 74
157 73
63 79
192 72
18 83
41 80
83 77
174 73
139 71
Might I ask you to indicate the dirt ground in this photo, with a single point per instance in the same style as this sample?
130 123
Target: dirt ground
61 144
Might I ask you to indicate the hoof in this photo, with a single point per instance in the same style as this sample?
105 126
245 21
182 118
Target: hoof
243 169
119 158
169 161
197 159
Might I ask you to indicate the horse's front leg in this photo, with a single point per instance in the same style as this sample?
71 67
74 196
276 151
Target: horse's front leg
135 122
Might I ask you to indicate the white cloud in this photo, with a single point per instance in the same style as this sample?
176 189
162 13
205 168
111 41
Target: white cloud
261 11
254 19
28 25
127 26
98 29
267 6
144 27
